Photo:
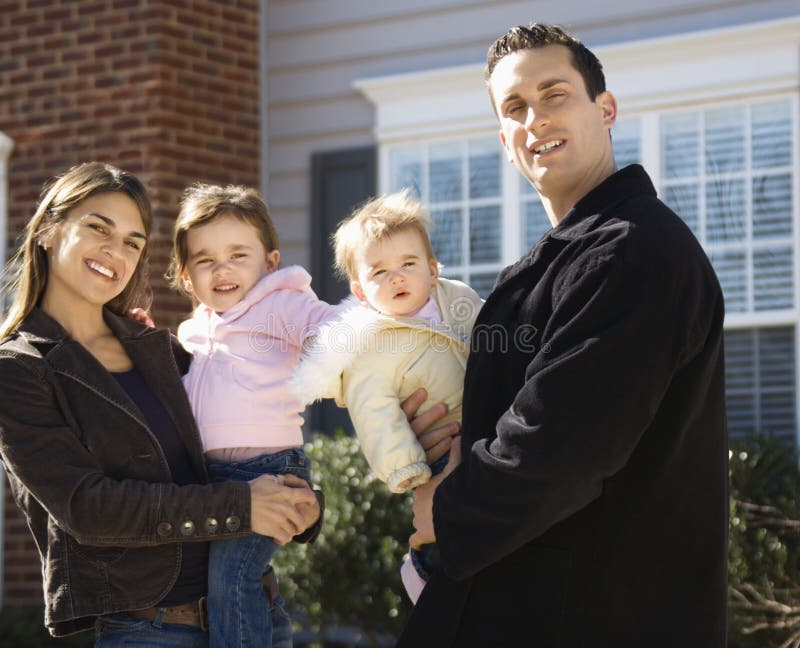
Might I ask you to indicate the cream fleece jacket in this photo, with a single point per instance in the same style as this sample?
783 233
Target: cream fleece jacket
370 363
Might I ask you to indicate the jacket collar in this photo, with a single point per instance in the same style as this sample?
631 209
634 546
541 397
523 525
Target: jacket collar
148 349
618 187
39 327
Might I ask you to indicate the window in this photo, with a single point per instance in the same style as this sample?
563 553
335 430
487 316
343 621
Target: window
713 117
460 184
727 169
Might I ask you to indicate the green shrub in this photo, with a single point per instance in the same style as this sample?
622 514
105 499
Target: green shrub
23 627
350 575
764 552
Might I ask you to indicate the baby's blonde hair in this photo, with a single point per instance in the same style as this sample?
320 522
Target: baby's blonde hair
376 220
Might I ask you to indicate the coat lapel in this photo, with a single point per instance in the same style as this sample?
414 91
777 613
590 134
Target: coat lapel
150 351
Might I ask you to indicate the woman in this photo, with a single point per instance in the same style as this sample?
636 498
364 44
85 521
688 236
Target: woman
97 436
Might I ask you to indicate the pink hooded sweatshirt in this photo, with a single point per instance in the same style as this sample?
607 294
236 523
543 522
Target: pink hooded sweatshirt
243 357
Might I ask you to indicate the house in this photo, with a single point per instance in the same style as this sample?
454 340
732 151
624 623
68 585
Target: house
321 103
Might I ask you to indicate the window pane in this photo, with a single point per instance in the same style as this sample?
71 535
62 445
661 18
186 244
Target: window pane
526 188
684 201
777 380
445 173
405 170
772 134
740 382
484 169
534 223
482 282
730 267
484 234
446 235
772 206
626 140
680 145
725 140
760 381
772 279
726 210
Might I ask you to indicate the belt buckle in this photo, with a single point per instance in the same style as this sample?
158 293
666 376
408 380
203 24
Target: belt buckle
202 610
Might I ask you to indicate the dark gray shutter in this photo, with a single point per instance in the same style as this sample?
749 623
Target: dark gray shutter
340 180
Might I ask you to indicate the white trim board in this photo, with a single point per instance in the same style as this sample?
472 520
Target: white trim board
644 75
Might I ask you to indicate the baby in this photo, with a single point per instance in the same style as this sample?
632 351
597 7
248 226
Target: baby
411 329
246 336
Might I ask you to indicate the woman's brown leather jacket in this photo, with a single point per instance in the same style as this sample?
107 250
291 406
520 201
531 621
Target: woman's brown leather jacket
90 476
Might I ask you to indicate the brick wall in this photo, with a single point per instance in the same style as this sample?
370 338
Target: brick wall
167 90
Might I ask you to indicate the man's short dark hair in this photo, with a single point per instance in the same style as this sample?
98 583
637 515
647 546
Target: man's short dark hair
538 35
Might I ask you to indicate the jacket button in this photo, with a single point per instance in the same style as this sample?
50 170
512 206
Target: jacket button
187 528
164 529
233 523
212 526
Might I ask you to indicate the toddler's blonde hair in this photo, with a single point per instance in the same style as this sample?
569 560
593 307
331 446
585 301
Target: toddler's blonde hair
375 220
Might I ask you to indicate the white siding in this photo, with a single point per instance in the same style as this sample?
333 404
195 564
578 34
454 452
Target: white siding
316 49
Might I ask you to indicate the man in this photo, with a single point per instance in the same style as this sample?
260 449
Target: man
590 507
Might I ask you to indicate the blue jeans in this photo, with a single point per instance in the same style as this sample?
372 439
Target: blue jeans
426 558
238 615
121 630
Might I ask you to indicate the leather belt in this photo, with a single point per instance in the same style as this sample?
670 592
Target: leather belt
195 612
192 613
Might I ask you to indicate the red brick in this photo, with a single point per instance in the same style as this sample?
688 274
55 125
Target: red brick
24 49
59 41
86 8
108 51
126 33
108 81
57 14
164 121
40 60
22 19
59 72
34 31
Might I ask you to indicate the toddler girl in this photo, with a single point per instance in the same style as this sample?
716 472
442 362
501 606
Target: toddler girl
245 335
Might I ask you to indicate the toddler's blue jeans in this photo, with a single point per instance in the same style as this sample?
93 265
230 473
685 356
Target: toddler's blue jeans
239 615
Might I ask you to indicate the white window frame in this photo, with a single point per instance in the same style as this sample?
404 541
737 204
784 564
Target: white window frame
6 146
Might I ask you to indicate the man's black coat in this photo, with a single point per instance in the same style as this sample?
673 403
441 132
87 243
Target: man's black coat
591 505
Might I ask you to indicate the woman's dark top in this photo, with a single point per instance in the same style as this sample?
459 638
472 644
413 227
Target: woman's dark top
192 579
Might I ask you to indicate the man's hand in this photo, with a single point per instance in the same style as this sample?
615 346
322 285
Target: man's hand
423 500
435 442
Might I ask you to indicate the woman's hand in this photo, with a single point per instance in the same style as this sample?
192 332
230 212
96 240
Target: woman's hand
435 442
310 512
281 507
